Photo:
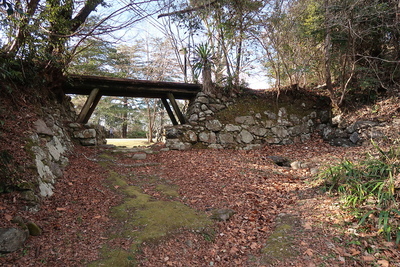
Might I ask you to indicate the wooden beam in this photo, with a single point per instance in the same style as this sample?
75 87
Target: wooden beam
92 107
89 101
176 108
111 86
169 111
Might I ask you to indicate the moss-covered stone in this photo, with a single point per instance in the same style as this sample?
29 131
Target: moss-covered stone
249 105
26 186
199 145
20 222
34 229
29 144
30 196
245 106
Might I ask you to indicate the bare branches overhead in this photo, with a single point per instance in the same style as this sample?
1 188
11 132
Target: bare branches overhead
188 10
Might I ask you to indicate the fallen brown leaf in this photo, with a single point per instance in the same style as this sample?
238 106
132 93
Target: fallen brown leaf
8 217
383 263
368 258
309 252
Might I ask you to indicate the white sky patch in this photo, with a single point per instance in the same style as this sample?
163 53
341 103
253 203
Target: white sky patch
258 81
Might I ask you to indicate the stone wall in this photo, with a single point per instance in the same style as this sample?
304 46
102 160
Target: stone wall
87 134
53 137
257 124
346 133
49 145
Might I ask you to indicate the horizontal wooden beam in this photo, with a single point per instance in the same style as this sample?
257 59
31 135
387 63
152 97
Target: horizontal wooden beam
109 86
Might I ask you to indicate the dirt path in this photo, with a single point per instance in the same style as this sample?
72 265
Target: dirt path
115 210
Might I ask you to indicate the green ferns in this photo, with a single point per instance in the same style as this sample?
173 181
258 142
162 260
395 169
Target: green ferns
371 187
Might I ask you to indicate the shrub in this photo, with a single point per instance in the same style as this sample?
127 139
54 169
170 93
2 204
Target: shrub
137 134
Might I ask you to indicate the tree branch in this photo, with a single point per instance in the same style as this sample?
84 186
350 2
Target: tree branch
188 10
378 58
84 13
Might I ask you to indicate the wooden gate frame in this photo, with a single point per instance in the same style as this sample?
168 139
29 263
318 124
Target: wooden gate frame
96 87
94 98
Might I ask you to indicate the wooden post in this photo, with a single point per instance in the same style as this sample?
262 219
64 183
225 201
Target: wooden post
176 108
169 111
92 107
89 101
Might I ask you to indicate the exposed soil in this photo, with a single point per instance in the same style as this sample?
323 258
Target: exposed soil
282 218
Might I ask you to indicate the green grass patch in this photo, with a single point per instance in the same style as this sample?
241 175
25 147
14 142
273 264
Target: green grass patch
370 189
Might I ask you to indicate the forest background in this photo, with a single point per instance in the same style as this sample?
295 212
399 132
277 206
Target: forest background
348 47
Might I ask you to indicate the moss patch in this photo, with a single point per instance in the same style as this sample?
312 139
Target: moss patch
142 218
106 157
168 190
115 257
244 106
299 103
199 145
280 245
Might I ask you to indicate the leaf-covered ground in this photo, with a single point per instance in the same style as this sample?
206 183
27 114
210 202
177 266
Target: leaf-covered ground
282 218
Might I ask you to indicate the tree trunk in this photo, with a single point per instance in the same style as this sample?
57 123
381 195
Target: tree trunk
125 119
150 122
125 127
327 63
208 86
239 52
238 63
21 35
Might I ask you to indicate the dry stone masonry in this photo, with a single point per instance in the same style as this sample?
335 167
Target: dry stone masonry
251 129
87 134
50 143
342 132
